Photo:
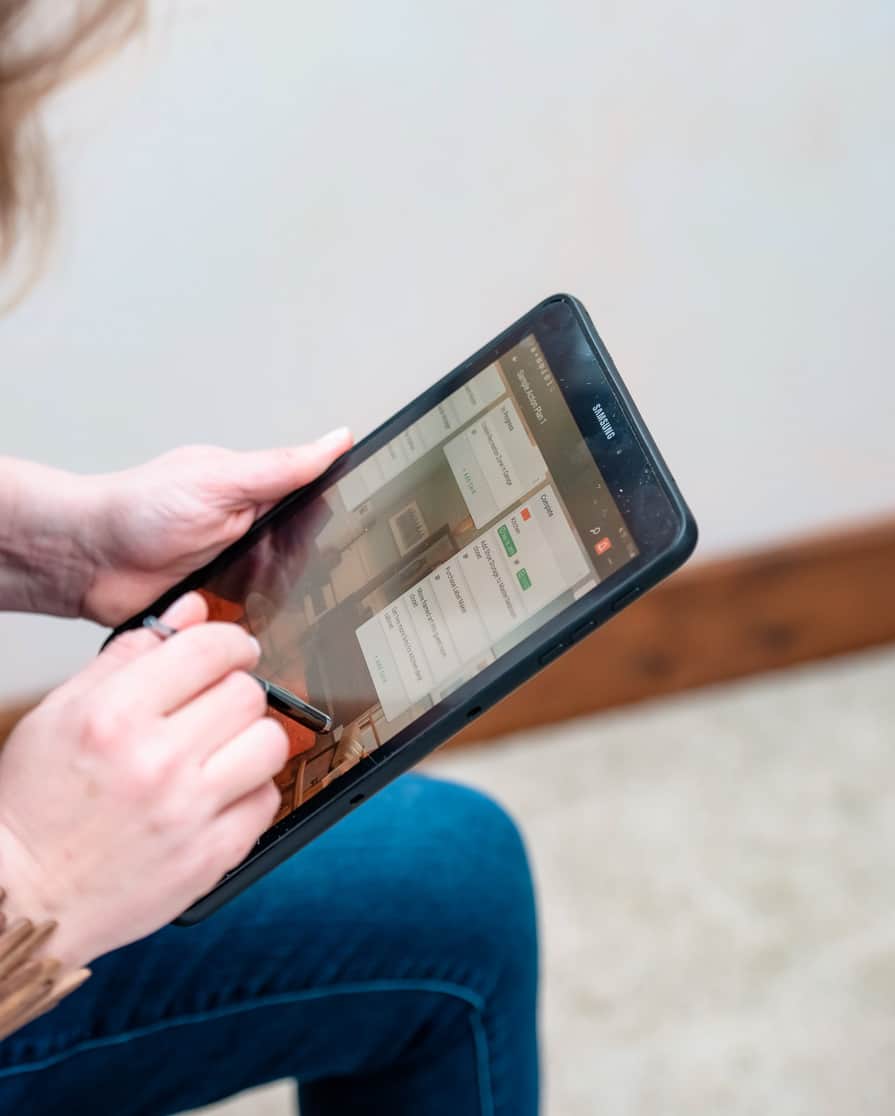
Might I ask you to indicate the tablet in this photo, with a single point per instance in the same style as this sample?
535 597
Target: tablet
492 523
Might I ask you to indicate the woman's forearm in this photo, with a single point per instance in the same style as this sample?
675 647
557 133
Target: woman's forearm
45 561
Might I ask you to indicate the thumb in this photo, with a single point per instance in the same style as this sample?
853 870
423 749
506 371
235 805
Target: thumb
268 475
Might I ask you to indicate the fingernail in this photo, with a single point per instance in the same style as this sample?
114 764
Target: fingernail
256 645
335 439
182 609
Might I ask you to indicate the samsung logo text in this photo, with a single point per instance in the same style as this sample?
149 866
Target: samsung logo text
603 419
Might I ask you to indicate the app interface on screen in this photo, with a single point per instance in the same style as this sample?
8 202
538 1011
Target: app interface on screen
407 577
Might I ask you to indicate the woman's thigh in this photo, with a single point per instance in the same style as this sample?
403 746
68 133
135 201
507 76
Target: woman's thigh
402 938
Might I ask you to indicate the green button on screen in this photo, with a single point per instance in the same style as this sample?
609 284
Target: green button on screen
508 544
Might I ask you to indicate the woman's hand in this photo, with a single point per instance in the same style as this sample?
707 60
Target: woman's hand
104 547
130 790
156 523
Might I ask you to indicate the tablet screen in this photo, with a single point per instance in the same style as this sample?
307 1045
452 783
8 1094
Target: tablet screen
412 572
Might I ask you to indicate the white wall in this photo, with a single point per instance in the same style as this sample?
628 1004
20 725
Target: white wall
281 216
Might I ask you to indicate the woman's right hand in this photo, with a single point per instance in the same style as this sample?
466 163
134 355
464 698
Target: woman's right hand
130 790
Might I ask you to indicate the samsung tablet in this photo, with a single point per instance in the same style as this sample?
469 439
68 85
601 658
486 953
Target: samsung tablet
489 525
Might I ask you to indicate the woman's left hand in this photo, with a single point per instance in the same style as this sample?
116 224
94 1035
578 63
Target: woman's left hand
152 525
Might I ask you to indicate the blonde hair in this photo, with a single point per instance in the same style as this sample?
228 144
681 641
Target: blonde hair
42 45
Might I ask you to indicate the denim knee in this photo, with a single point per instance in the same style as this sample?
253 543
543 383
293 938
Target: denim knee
429 874
491 891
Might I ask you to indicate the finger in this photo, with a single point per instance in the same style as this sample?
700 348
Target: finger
220 713
236 829
182 668
190 609
247 762
268 475
130 645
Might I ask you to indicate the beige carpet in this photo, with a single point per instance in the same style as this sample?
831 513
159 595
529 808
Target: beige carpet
717 878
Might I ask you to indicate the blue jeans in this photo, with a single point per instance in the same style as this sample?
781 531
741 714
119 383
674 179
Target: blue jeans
391 967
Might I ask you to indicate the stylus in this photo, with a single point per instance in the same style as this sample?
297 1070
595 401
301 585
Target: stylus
290 705
284 701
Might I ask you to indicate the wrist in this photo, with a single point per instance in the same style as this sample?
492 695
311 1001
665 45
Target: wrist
30 895
46 563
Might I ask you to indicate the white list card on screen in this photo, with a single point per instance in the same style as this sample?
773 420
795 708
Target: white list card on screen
429 636
421 437
495 462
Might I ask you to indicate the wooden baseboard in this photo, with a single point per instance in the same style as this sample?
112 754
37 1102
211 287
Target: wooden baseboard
712 622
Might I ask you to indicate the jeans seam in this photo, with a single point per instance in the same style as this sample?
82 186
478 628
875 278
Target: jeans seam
446 988
483 1061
